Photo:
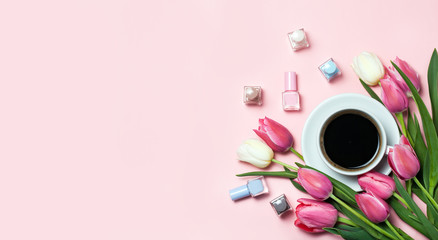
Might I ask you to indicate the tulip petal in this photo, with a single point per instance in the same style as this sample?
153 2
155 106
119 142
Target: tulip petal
265 137
274 134
403 162
393 97
262 126
302 226
373 207
409 71
278 134
403 140
256 162
259 150
370 70
255 152
395 76
391 162
316 184
313 216
368 67
377 184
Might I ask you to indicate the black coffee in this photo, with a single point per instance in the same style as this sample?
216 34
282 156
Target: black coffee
351 140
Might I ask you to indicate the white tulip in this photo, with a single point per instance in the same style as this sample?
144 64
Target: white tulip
368 68
255 152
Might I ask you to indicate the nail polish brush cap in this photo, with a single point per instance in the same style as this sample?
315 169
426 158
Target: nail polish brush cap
290 81
330 67
298 36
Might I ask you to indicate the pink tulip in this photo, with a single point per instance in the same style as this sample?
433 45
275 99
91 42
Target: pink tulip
275 135
405 141
403 161
410 73
316 184
392 96
378 184
375 208
313 216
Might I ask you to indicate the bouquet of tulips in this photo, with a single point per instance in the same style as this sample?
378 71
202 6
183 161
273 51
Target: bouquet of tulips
413 160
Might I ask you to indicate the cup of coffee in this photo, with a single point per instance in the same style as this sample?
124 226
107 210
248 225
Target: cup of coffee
351 141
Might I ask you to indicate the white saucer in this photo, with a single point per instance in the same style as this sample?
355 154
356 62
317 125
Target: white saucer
309 139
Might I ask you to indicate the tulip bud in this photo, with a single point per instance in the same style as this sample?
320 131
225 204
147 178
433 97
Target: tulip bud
313 216
368 68
378 184
275 135
316 184
404 141
403 161
255 152
408 71
375 208
392 96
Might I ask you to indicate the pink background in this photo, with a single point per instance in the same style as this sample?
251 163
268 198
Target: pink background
120 119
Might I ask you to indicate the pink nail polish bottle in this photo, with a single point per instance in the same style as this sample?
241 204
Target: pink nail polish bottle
291 97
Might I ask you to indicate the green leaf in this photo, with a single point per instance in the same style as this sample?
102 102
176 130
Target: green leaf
430 230
370 91
403 234
432 79
417 191
416 122
300 165
272 174
429 131
296 185
358 221
435 196
432 213
406 215
422 153
421 150
412 128
408 185
425 171
350 232
286 169
332 230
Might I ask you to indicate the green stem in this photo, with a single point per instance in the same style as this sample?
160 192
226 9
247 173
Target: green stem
409 186
393 229
402 200
402 123
297 153
371 224
426 193
410 140
347 221
284 164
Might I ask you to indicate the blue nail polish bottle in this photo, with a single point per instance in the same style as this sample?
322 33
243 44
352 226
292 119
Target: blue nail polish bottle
254 188
329 69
